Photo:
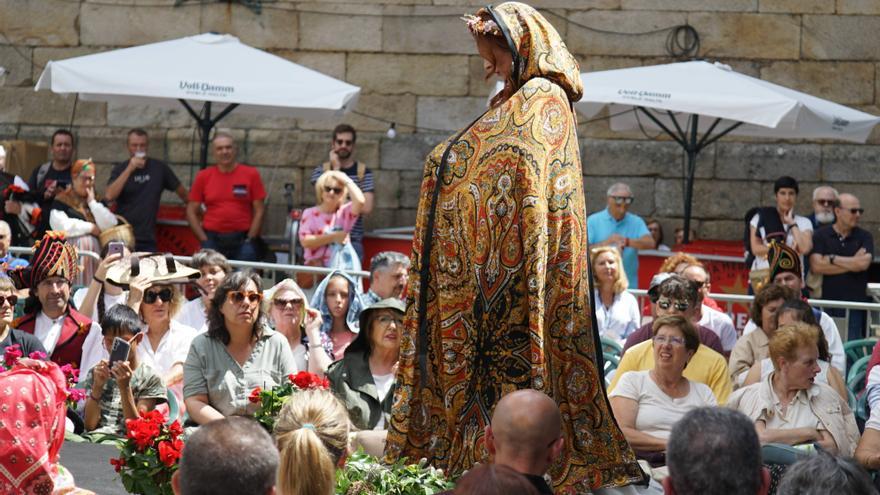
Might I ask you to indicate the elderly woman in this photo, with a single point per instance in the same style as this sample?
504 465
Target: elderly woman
340 304
648 403
26 342
292 317
364 378
789 313
237 354
213 267
617 311
790 406
312 434
752 348
82 217
330 221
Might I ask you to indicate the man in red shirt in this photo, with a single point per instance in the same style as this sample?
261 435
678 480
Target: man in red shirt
232 194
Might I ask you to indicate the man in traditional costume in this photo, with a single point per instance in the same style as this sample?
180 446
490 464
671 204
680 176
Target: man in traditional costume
499 293
68 336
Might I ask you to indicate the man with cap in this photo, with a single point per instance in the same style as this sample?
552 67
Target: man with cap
785 270
68 336
669 285
676 295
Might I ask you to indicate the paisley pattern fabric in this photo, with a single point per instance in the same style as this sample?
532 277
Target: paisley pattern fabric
505 303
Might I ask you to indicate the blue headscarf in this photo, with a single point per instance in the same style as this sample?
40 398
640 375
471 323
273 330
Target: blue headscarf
355 305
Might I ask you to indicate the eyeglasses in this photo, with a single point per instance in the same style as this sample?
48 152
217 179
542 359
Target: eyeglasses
12 300
238 297
826 202
282 303
698 285
334 190
666 304
620 200
150 297
345 142
673 341
386 320
855 211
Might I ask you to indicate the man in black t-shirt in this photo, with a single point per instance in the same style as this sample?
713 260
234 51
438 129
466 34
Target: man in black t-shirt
342 159
52 177
136 185
843 252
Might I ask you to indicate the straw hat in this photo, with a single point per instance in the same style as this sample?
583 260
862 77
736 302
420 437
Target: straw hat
157 267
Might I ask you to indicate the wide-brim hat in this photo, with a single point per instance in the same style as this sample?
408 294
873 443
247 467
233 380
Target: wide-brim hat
156 267
53 257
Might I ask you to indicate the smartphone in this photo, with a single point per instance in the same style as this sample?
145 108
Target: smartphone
115 247
119 351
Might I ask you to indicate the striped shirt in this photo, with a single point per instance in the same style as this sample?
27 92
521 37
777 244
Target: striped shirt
366 185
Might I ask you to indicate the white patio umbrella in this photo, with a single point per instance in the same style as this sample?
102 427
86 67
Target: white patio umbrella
209 68
691 99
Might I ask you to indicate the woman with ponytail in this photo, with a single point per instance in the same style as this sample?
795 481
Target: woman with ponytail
312 435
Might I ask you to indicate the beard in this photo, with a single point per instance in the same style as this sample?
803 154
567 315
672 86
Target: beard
344 154
825 217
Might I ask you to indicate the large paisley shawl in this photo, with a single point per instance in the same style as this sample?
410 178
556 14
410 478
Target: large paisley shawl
507 296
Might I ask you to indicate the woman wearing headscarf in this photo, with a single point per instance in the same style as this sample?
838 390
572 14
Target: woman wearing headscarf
82 217
339 301
500 263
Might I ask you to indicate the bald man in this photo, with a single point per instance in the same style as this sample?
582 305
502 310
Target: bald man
526 434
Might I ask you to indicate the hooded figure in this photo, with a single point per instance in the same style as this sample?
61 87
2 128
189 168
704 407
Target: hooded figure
355 306
499 293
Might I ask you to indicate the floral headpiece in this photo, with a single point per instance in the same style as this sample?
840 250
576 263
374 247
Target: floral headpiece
477 25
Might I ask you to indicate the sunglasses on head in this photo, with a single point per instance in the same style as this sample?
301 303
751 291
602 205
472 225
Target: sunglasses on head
621 200
826 202
238 297
282 303
13 299
666 304
334 190
150 297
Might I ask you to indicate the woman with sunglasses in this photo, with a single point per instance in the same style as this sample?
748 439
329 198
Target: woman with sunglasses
648 403
238 353
617 311
82 217
26 342
167 342
331 219
292 317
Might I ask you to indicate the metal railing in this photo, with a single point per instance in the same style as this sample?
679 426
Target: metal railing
872 310
26 252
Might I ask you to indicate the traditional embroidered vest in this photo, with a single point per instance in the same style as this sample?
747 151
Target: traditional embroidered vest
74 330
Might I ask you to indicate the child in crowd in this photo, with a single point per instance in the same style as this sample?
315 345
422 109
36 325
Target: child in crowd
129 387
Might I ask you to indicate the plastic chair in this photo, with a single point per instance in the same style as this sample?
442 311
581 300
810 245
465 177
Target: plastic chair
786 455
861 409
855 378
611 363
611 347
18 312
856 349
173 406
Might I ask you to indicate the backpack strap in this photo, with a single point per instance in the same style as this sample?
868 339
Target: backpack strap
42 172
361 171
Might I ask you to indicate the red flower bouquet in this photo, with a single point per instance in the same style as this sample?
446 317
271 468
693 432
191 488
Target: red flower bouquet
270 401
150 454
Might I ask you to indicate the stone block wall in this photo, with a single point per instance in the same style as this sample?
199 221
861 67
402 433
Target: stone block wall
417 66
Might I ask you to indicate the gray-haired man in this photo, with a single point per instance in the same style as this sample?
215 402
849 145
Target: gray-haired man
615 226
388 276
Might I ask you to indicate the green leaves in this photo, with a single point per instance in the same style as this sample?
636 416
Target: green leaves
364 474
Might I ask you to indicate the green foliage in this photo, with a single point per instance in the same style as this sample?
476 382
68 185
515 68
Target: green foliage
365 475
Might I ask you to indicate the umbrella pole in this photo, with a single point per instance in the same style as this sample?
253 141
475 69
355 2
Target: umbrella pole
206 123
691 149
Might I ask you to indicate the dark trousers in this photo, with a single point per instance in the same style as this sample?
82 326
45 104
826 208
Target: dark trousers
233 245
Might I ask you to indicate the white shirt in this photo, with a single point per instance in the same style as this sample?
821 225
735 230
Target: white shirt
658 412
873 390
194 315
109 300
803 224
798 414
49 330
383 386
74 227
621 319
172 349
829 329
721 324
301 357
